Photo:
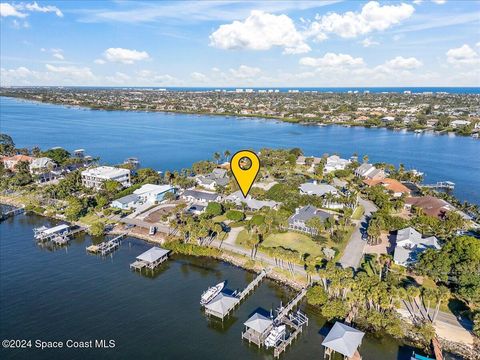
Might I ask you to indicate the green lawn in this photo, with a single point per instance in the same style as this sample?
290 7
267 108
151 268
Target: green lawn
294 241
242 238
357 214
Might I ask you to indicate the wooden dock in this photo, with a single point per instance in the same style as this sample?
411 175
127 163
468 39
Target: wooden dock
441 185
106 247
12 213
250 287
291 304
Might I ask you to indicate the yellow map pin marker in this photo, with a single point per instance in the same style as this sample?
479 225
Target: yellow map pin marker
245 165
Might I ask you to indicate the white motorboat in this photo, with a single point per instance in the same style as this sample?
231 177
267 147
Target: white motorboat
277 334
211 292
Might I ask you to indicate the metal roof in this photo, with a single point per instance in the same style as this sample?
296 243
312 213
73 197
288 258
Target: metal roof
343 339
153 254
222 303
258 322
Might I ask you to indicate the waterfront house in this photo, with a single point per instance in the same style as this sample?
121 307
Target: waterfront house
11 162
368 171
127 202
252 204
298 221
41 165
430 205
344 340
197 196
392 185
151 193
410 244
459 123
218 177
95 177
334 163
302 160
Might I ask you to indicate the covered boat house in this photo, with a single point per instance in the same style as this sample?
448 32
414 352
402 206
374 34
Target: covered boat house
150 259
344 340
221 305
257 328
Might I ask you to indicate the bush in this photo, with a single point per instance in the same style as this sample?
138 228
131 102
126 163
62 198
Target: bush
97 228
235 215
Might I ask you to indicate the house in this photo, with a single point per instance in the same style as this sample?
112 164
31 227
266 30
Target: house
430 205
196 209
459 123
218 177
11 162
151 193
387 119
251 203
334 163
301 160
202 197
317 189
395 186
368 171
126 203
410 244
95 177
298 221
41 165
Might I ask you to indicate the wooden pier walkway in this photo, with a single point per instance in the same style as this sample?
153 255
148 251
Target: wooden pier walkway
291 304
295 322
11 213
250 287
437 349
106 247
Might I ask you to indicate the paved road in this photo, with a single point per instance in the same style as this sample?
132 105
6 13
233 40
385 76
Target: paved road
352 255
233 234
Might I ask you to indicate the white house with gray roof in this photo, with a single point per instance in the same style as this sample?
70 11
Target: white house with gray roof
410 244
368 171
237 198
200 197
218 177
334 163
298 221
317 189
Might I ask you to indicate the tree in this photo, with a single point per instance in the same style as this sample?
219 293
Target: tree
213 209
235 215
443 294
7 146
97 228
316 295
58 155
111 187
226 155
217 157
75 209
334 309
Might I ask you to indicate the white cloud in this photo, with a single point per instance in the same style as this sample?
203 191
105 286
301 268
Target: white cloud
34 7
124 56
9 10
245 72
118 78
71 72
21 10
373 17
332 60
57 54
260 31
463 55
148 77
368 42
439 2
198 76
99 61
402 63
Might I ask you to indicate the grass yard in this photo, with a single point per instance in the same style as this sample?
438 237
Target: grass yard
294 241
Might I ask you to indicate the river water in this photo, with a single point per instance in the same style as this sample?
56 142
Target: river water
56 295
174 141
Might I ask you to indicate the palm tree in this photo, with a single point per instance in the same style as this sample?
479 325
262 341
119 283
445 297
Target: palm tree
365 158
217 156
412 293
428 295
443 294
226 154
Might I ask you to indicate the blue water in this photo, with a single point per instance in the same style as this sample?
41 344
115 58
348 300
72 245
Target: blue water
174 141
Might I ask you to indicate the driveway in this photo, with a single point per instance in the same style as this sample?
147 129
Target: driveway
352 255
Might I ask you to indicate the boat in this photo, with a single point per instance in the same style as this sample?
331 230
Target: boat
211 292
277 334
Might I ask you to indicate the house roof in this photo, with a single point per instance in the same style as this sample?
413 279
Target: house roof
238 198
152 188
410 244
343 339
390 184
317 189
305 213
200 195
431 205
153 254
258 322
222 303
127 199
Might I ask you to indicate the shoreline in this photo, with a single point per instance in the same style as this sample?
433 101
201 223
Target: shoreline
458 348
297 121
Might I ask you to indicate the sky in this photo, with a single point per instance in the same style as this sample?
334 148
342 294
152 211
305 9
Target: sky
240 43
